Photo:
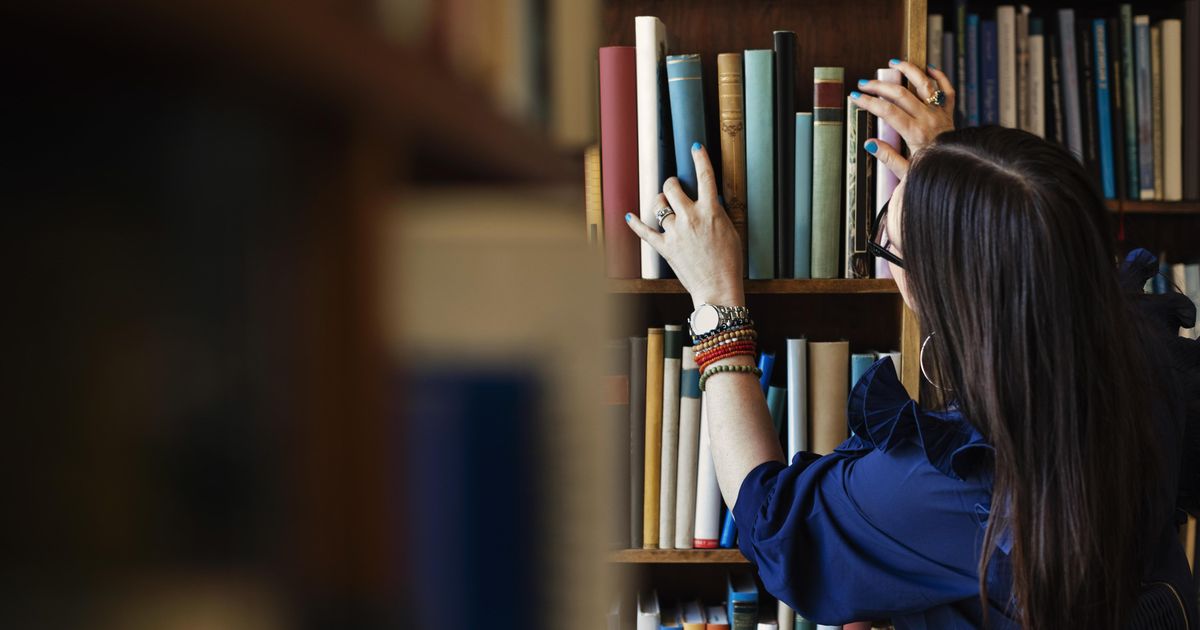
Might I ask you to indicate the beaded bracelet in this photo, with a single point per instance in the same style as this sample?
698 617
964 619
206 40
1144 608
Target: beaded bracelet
745 333
717 369
723 343
736 324
745 347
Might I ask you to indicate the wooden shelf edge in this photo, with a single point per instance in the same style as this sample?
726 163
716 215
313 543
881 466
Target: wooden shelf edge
762 287
1131 206
677 556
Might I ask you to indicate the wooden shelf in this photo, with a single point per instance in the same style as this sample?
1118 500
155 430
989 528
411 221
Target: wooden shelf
759 287
1154 207
678 556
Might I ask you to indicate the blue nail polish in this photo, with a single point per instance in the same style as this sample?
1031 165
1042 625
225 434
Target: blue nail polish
871 147
628 216
855 94
863 83
894 61
695 146
932 66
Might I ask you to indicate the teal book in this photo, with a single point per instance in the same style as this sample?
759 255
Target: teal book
859 364
687 115
1129 102
1104 131
760 162
804 173
776 404
829 119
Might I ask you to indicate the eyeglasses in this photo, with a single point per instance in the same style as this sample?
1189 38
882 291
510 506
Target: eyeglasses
879 241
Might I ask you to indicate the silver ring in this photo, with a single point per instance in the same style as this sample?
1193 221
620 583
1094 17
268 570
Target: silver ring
662 214
937 99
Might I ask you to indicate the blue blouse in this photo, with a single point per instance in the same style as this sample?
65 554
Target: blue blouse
891 524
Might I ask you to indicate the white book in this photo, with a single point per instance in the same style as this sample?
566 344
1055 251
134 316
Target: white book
1191 275
769 624
785 616
885 180
708 493
689 451
933 37
797 397
1037 85
819 627
650 35
647 610
1179 279
1172 104
670 442
1006 57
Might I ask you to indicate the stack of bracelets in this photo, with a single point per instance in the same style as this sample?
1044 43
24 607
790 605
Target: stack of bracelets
733 340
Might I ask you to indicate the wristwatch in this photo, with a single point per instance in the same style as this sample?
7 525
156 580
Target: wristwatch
709 319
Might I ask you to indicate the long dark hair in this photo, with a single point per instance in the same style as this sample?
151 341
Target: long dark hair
1007 256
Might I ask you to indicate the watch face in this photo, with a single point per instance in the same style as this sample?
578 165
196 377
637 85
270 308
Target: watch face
704 319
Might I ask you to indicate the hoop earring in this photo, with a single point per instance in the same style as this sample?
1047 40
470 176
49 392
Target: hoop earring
921 361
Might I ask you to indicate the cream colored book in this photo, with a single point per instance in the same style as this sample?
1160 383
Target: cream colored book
689 451
828 387
1172 109
654 409
672 364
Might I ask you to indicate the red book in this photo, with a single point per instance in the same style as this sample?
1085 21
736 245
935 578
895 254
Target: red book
619 159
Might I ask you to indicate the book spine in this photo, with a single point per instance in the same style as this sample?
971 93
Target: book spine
784 617
1006 56
1191 98
1129 94
829 115
687 115
733 142
1116 93
592 204
776 405
1172 107
728 531
785 151
1069 74
760 163
860 191
860 362
619 158
652 136
933 40
1103 108
802 258
948 64
1145 107
797 397
648 610
885 180
988 69
766 365
850 189
672 364
1055 127
828 375
1022 37
689 451
973 84
1087 91
960 60
804 624
1037 78
617 390
653 441
708 494
1156 91
637 438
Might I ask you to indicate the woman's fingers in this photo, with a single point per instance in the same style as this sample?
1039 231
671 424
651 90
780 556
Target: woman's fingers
646 233
897 94
706 180
678 200
888 155
945 85
899 119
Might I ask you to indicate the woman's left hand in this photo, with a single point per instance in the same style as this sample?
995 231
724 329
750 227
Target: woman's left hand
917 121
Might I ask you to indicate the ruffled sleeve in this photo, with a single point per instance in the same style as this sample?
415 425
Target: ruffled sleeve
885 526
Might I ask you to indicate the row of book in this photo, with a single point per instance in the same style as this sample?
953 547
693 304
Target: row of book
673 501
798 186
1110 87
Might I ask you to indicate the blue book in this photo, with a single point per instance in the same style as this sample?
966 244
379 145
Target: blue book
687 115
742 599
989 89
859 364
728 531
760 163
1070 83
973 69
1104 126
1145 109
766 363
803 225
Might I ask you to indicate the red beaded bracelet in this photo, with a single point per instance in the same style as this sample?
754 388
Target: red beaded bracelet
708 359
749 353
737 345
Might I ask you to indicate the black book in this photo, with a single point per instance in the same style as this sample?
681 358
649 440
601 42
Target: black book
1084 43
785 152
859 261
1118 106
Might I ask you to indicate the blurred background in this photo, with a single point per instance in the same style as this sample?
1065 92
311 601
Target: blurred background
302 325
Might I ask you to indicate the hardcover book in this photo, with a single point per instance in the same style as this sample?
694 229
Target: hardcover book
860 191
653 442
785 150
637 438
718 618
933 41
1172 109
1145 106
672 367
1069 75
802 256
1023 92
1006 54
619 159
1055 125
828 377
1130 102
885 180
655 149
1037 78
708 494
828 121
687 115
1103 107
760 163
973 83
733 143
591 197
989 93
797 397
1156 111
648 610
617 397
689 451
1087 91
742 599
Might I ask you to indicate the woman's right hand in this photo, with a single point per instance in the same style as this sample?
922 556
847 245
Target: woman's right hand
917 121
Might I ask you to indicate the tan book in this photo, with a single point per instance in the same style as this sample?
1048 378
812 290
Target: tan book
733 142
654 408
593 207
828 389
1156 101
1187 537
1172 108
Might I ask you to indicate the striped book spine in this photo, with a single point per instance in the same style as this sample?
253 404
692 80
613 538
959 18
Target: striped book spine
760 163
733 142
829 114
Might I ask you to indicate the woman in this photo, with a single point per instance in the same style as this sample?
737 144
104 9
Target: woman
1042 495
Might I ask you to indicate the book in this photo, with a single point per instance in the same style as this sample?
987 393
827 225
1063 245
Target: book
1172 109
1145 106
948 64
960 61
1087 92
692 615
767 624
860 192
670 618
1116 103
989 91
785 616
619 159
733 143
972 93
655 150
1022 40
860 362
708 494
593 211
718 618
648 610
616 393
1156 107
1104 130
687 115
797 397
1129 101
672 368
785 151
802 256
1037 78
896 357
776 405
653 442
689 451
637 437
933 40
1006 57
742 599
728 531
1191 96
760 163
571 91
766 364
804 624
1055 125
828 375
828 120
1069 76
885 180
